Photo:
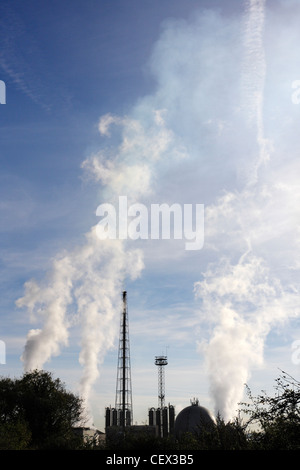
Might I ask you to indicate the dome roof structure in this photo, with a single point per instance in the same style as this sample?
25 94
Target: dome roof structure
193 419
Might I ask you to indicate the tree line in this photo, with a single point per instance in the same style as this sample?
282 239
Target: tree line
38 413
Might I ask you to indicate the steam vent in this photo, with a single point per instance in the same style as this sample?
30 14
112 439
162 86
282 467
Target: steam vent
193 419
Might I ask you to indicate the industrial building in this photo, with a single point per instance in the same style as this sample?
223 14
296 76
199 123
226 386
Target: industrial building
120 417
161 420
89 434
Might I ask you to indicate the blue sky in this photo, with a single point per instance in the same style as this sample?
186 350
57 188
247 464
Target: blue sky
165 102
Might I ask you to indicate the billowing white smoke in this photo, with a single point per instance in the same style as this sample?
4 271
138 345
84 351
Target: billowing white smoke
50 301
243 302
254 230
88 280
86 283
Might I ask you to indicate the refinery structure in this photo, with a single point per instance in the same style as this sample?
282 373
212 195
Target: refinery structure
161 420
120 418
163 417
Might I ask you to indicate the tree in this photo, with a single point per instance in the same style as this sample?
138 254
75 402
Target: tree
42 409
277 418
14 435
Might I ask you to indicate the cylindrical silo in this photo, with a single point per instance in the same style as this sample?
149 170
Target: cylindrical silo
165 422
151 417
107 417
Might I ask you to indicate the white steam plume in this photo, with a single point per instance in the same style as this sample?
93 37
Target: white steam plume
243 301
89 279
242 298
50 301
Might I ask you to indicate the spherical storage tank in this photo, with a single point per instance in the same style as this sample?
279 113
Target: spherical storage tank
192 419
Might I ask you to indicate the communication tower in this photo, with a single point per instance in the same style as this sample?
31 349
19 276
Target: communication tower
161 362
163 417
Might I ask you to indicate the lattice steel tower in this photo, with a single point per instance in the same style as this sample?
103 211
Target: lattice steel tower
161 361
123 403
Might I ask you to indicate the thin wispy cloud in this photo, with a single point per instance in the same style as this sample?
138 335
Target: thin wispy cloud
24 64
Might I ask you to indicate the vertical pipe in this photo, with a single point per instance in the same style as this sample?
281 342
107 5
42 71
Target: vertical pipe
124 360
107 417
165 424
158 422
171 418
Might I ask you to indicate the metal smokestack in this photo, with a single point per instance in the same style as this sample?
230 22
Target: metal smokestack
123 389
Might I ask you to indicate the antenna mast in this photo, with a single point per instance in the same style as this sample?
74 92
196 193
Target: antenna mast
161 361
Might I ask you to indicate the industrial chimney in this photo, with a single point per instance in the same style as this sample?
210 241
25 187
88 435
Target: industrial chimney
121 415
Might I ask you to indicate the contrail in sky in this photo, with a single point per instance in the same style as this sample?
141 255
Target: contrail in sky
253 79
